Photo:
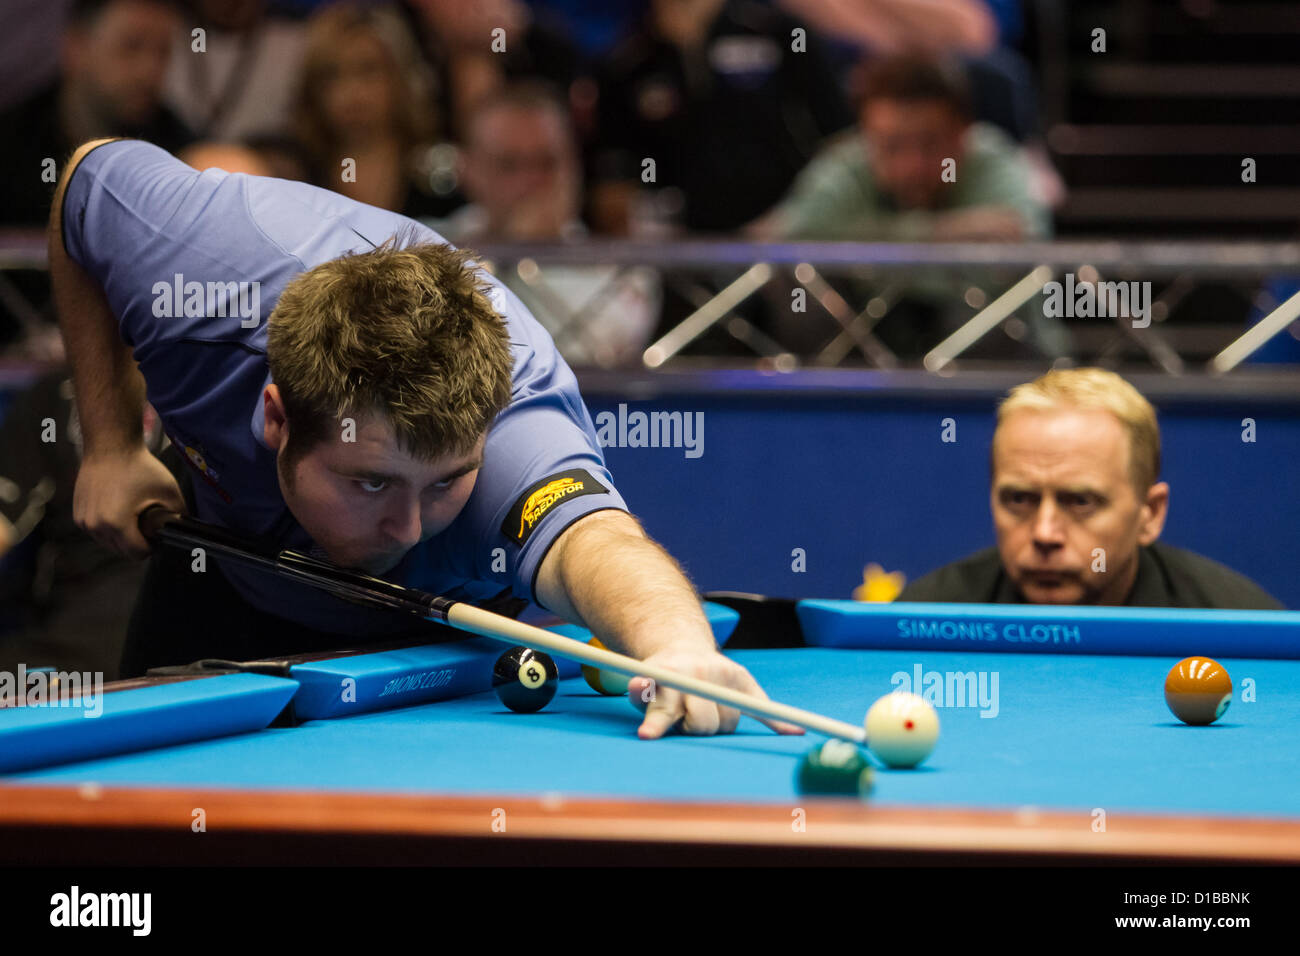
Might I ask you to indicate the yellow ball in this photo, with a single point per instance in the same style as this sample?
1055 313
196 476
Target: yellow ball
609 683
902 729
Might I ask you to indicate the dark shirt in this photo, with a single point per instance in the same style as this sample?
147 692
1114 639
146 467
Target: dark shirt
730 127
34 133
37 478
1166 577
419 201
64 599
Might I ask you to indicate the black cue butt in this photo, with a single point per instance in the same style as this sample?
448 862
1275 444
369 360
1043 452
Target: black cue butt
153 518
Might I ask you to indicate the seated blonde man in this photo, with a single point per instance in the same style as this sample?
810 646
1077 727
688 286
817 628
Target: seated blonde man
1078 509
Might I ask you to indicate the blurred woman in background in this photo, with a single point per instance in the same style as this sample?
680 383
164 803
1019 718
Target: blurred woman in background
364 112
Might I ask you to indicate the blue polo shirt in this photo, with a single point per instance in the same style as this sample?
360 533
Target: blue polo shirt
192 265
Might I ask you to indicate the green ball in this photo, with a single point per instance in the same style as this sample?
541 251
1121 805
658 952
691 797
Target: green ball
835 768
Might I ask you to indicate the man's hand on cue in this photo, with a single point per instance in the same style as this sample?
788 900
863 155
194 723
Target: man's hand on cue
114 488
604 572
665 707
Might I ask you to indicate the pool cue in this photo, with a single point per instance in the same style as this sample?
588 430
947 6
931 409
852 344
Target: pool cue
159 525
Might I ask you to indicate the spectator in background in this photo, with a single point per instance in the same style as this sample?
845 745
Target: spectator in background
113 56
520 169
523 179
714 94
241 83
885 179
977 33
457 38
363 111
1076 477
70 596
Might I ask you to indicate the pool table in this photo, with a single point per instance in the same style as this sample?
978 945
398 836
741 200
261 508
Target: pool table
1082 762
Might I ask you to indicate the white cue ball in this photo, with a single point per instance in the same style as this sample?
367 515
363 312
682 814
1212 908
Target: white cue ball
902 729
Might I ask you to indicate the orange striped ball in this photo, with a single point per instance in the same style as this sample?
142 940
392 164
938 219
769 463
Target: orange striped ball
1198 690
609 683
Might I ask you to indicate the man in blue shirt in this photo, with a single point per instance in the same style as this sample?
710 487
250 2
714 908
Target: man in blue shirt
340 380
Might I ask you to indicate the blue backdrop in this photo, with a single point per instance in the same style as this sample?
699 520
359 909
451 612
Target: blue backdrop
856 474
852 471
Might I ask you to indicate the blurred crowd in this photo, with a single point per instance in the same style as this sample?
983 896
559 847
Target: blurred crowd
556 120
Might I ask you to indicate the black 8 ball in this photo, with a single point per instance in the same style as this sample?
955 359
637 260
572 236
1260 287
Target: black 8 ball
525 680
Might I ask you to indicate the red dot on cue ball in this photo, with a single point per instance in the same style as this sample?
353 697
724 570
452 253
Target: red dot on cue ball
902 729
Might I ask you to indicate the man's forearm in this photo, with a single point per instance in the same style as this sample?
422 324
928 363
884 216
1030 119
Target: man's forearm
109 387
614 580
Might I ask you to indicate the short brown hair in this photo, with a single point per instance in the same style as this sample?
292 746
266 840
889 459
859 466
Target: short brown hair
405 332
913 77
1095 388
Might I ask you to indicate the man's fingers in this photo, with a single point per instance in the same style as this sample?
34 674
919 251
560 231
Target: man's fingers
640 691
702 717
781 727
665 707
106 535
662 707
661 716
728 718
656 724
139 545
134 544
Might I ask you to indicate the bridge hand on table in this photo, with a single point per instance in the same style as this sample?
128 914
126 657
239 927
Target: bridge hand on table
665 707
